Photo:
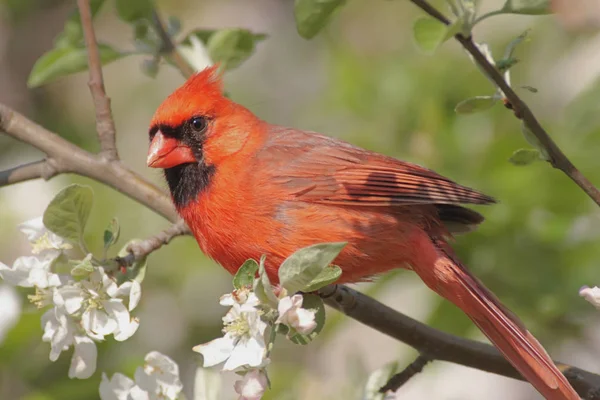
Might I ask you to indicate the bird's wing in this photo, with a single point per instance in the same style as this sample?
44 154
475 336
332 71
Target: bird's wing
320 169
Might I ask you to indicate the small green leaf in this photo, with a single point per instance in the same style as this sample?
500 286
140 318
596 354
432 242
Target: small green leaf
231 47
329 275
377 379
202 34
137 271
63 61
299 269
83 267
313 15
134 10
529 7
429 33
506 63
534 141
475 104
246 274
111 233
454 29
512 46
68 212
525 157
262 286
311 302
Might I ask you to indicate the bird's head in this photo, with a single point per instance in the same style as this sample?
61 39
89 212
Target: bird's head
193 130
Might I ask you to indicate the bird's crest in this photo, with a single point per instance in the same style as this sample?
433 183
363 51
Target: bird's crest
201 95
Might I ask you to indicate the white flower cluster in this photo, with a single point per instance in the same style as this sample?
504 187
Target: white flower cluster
83 311
158 379
243 347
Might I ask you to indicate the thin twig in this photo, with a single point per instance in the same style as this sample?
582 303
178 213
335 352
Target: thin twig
556 157
439 345
74 159
45 169
399 379
142 249
105 125
168 48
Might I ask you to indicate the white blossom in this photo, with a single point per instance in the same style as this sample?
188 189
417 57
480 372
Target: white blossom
43 241
591 294
157 379
244 342
252 386
10 309
293 315
102 313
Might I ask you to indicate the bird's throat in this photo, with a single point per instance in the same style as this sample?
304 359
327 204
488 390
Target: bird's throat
187 181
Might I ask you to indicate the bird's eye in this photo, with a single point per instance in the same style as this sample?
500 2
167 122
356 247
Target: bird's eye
198 123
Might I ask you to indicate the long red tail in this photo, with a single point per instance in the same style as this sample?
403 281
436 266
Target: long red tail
449 278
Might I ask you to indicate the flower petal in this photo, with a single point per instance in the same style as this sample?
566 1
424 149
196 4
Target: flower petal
252 386
591 294
83 363
97 322
134 295
216 351
117 388
249 351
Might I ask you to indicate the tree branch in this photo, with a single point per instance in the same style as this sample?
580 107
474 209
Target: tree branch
105 125
168 48
396 381
45 169
438 345
71 158
144 248
556 157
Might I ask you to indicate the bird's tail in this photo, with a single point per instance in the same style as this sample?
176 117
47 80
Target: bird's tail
450 279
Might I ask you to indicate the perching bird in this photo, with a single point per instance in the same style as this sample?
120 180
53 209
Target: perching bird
248 188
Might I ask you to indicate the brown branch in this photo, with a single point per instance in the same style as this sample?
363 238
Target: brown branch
168 48
45 169
144 248
399 379
105 125
72 158
439 345
556 157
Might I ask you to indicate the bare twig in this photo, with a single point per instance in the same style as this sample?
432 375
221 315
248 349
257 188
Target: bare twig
557 158
396 381
439 345
105 125
45 169
168 47
144 248
72 158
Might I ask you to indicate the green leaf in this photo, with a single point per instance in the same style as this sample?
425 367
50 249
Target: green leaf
134 10
83 267
529 88
311 302
377 379
529 7
203 34
329 275
534 141
137 271
429 33
299 269
68 212
262 286
245 275
525 157
111 233
313 15
63 61
231 47
475 104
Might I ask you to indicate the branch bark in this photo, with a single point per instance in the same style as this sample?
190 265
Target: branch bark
45 169
557 158
168 48
439 345
105 124
72 158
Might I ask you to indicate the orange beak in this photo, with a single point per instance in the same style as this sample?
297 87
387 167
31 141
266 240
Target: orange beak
167 152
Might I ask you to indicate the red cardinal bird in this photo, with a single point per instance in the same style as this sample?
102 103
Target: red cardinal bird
248 188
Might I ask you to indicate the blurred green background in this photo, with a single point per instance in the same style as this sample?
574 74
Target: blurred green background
362 80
